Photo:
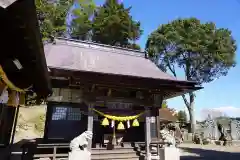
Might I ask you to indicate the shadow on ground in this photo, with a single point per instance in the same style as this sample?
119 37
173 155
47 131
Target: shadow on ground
205 154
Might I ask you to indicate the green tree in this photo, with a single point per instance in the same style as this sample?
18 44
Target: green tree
203 51
182 117
164 104
82 24
113 25
52 17
133 46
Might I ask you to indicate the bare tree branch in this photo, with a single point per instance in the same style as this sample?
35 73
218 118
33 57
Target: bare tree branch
171 68
186 101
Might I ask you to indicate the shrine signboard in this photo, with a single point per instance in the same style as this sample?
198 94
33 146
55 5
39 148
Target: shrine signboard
119 105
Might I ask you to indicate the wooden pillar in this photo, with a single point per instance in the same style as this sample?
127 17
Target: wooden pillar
48 120
14 125
147 134
159 106
90 123
158 127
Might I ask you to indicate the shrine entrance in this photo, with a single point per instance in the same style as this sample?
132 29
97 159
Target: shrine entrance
104 134
74 118
117 123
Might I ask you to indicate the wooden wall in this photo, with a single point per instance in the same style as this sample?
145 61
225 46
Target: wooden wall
64 121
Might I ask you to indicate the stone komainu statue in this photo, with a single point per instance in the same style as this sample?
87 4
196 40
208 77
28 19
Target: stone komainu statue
78 147
168 137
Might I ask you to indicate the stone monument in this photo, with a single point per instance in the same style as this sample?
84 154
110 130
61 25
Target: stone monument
235 129
78 147
210 129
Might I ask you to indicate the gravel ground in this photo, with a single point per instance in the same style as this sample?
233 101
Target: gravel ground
209 152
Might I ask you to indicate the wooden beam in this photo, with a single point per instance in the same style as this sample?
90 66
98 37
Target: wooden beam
124 81
92 97
65 84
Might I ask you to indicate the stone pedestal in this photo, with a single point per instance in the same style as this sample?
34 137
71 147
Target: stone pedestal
79 154
169 153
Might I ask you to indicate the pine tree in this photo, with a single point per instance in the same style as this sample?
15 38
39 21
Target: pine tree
52 17
82 24
113 25
182 117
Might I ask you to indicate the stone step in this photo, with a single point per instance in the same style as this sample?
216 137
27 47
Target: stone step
118 153
124 152
115 156
112 153
116 150
136 158
121 151
132 158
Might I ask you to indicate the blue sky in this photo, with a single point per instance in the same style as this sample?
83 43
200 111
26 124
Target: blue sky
221 94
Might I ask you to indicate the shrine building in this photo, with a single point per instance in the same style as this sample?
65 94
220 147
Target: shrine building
107 90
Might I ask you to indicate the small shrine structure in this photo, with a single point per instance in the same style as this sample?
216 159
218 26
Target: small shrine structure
114 92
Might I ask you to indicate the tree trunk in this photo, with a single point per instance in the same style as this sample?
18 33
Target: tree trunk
191 113
190 107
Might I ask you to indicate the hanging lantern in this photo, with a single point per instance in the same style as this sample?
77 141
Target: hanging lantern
120 126
112 123
135 123
128 124
105 122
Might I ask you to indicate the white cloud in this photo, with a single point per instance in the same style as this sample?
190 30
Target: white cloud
218 111
227 109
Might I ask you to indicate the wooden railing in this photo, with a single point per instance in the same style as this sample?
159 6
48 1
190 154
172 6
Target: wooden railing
30 154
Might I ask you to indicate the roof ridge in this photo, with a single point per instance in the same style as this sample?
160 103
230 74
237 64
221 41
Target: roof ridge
102 47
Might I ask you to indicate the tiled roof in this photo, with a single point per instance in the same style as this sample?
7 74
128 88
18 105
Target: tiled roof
165 114
84 56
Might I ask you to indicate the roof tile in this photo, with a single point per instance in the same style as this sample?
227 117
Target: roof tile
83 56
